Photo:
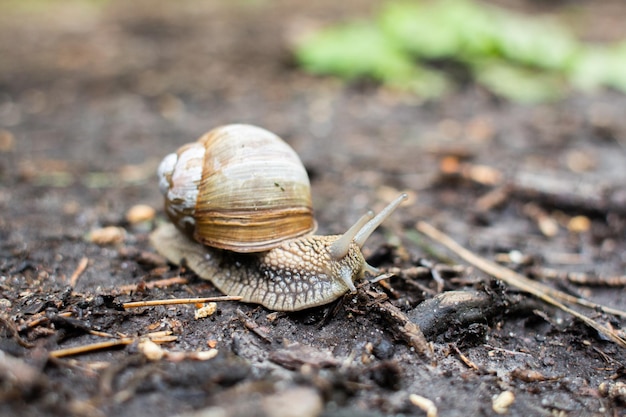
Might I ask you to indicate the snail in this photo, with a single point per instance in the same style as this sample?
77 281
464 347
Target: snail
240 204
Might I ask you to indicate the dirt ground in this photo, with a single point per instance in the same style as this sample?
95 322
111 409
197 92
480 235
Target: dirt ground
94 94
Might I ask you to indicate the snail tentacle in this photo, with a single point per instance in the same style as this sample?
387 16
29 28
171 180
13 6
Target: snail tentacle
340 247
373 271
373 224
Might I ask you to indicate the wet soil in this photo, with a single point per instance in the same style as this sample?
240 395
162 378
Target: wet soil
93 95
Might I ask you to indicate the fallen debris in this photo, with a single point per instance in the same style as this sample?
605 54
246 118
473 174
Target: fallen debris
614 389
205 310
110 235
580 278
140 213
453 310
161 283
529 375
253 326
296 355
424 404
543 292
152 303
467 361
402 326
82 265
156 337
501 403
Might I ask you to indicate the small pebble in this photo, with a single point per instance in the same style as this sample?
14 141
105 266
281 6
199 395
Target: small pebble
579 224
140 213
548 226
384 349
502 402
205 355
293 402
151 350
109 235
613 389
205 311
579 161
7 141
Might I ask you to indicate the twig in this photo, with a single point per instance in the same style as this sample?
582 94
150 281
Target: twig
41 318
507 351
512 278
253 326
156 337
467 361
406 329
492 199
161 283
82 265
580 278
99 333
77 350
15 332
151 303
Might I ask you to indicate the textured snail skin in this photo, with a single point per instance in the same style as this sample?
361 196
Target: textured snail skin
298 274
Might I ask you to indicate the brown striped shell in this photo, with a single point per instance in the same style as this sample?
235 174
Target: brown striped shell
239 187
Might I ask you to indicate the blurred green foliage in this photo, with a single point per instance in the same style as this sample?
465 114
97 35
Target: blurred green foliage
407 45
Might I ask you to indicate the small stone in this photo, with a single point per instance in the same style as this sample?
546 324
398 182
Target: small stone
579 224
548 226
294 402
140 213
384 349
151 350
580 161
616 390
205 355
502 402
109 235
205 311
7 141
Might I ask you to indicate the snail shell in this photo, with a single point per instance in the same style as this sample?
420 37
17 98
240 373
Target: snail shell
239 187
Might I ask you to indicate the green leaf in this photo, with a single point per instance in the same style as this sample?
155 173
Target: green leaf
360 50
525 59
352 51
518 84
424 82
617 71
534 42
418 29
437 30
591 68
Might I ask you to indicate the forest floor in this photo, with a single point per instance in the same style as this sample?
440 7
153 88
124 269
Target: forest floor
94 94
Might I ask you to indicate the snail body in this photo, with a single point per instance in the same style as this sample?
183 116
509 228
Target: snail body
271 256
